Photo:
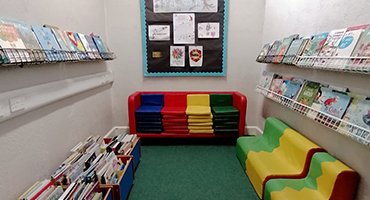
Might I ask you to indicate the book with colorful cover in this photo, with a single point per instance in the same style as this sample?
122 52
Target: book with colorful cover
278 86
329 48
331 102
308 93
349 40
273 51
86 45
75 41
93 47
283 48
48 42
80 46
103 49
62 41
362 49
10 41
292 87
358 113
266 80
313 48
263 53
293 50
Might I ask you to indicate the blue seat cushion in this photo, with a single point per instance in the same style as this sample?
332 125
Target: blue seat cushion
149 109
152 100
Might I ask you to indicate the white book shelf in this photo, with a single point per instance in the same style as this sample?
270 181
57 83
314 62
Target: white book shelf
346 128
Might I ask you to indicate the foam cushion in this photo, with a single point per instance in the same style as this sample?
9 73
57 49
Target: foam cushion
199 116
186 131
198 110
175 100
201 131
173 110
198 100
174 120
226 131
149 130
149 109
152 100
224 110
221 100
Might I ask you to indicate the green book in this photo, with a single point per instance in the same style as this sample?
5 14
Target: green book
308 93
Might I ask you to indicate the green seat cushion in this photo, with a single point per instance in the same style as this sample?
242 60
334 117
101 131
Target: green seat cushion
225 119
226 131
225 126
226 123
224 110
221 99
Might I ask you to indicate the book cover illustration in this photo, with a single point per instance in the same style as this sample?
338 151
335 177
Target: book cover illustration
331 44
93 47
313 48
102 48
358 113
283 48
362 49
292 87
10 41
86 46
266 80
293 50
73 38
263 53
333 103
47 42
349 40
278 86
80 46
273 51
308 93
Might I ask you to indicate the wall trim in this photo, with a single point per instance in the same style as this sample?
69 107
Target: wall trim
253 130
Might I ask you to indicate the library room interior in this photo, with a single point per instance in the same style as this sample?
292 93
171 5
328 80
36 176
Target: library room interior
184 100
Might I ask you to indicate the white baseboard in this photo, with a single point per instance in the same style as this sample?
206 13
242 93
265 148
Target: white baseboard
253 130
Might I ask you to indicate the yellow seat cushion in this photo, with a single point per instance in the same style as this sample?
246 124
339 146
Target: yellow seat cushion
288 159
200 127
205 120
198 110
197 124
201 131
200 116
198 100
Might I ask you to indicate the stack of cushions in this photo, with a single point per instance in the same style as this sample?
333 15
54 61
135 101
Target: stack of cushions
174 114
199 113
148 115
225 115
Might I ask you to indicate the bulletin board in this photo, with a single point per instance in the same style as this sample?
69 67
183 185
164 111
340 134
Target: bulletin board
184 37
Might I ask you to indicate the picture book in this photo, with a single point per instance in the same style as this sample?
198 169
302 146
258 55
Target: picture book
283 48
349 40
292 87
362 49
102 48
266 80
76 42
80 46
278 86
295 49
273 51
333 103
308 93
10 40
86 45
93 46
315 44
47 42
263 53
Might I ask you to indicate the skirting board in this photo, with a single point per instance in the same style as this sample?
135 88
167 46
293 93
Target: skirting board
253 130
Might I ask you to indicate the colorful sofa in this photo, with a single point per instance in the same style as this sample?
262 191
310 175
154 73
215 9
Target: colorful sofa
283 154
181 106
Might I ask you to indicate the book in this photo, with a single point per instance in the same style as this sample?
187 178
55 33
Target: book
308 93
295 50
292 87
278 86
330 102
62 41
48 42
313 48
349 40
11 42
283 48
273 51
263 53
266 80
358 113
362 49
33 49
330 46
76 42
93 47
86 46
102 48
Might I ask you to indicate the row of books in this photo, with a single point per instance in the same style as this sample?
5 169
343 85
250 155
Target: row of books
347 112
345 48
22 43
91 164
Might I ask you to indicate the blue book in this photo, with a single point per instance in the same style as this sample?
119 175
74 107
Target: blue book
48 42
292 87
333 103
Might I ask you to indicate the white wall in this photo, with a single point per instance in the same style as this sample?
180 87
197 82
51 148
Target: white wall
124 36
33 145
285 17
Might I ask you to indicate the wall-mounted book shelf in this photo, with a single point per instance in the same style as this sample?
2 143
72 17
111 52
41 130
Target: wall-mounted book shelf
344 127
22 57
342 64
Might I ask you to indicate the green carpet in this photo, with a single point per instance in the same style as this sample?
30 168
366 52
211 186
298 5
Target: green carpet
190 172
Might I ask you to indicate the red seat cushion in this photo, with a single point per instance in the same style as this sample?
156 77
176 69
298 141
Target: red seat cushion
173 110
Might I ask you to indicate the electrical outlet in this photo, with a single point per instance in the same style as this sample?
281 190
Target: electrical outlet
17 104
